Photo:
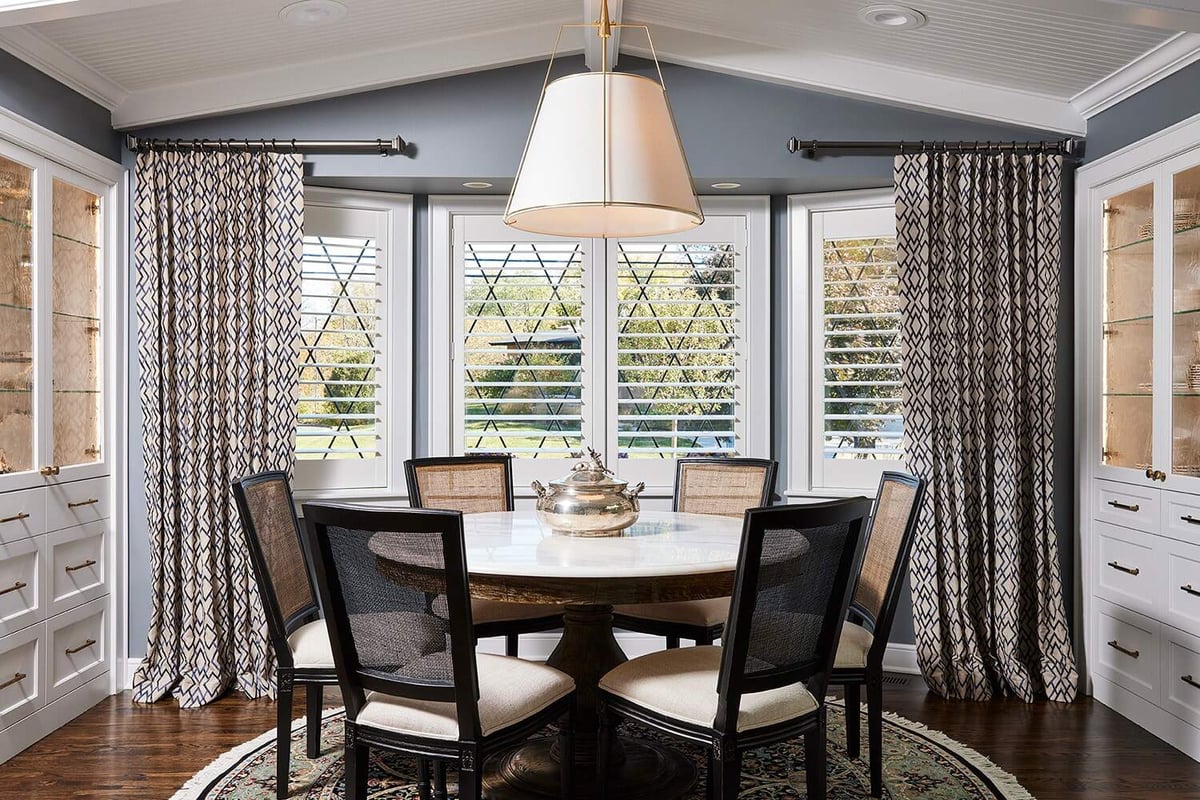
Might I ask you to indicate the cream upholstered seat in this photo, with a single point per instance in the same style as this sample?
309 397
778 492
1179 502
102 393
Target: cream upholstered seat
853 647
310 646
510 690
500 610
682 684
704 613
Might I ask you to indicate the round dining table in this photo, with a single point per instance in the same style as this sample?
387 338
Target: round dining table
664 556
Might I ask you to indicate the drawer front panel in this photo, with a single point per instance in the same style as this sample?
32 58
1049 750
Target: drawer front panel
1127 649
1181 516
1128 506
1181 675
77 565
1128 568
76 647
21 598
76 503
22 514
21 689
1182 604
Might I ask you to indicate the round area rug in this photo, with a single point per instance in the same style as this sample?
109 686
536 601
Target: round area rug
919 764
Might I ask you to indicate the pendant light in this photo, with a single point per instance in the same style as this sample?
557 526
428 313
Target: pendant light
603 158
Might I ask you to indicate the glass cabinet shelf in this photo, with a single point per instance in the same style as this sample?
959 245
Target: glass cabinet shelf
1127 247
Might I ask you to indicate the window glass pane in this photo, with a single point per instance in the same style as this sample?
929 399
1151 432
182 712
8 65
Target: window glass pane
16 317
523 353
677 353
77 272
338 410
862 411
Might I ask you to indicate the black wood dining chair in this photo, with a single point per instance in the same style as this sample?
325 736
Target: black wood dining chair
881 583
766 683
395 590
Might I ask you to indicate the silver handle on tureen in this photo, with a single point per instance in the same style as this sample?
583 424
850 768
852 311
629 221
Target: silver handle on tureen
537 487
633 491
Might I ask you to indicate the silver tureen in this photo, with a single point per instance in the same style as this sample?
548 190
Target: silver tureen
589 501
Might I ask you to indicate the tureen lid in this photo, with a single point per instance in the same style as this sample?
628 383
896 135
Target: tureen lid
590 474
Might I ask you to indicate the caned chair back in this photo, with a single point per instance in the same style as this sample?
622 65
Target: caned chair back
394 588
791 593
726 487
268 516
470 484
889 540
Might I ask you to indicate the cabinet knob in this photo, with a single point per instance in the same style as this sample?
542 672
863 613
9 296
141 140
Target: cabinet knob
53 469
1156 474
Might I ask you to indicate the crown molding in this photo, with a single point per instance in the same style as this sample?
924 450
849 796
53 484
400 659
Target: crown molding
1152 66
39 52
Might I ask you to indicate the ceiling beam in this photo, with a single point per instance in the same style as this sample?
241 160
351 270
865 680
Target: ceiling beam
27 12
39 52
591 42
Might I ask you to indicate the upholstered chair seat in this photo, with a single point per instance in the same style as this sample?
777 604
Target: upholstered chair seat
484 611
699 613
853 648
310 646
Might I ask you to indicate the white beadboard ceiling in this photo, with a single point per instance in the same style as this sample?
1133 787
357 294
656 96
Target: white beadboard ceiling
1044 63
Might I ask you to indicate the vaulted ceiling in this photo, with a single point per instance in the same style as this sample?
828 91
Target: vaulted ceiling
1043 63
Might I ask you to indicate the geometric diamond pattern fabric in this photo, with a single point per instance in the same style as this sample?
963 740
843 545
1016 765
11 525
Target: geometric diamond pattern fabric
218 245
978 251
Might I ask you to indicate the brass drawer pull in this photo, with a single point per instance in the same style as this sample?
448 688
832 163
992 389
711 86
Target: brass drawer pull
1118 566
1123 506
1131 653
53 469
1190 590
16 678
1190 681
1188 518
91 562
23 515
73 650
16 587
91 501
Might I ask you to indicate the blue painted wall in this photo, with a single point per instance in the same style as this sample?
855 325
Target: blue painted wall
1158 106
41 99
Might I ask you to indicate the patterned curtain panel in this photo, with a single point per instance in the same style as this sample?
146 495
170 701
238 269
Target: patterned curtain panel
979 257
218 247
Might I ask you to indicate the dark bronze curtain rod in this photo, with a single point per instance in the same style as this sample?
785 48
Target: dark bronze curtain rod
380 147
810 148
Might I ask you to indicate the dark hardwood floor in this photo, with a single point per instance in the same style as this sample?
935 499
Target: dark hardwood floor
127 751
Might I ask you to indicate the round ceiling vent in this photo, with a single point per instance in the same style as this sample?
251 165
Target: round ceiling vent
892 17
311 13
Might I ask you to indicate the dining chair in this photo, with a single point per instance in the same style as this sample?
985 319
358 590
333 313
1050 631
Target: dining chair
298 637
766 683
722 486
881 582
473 485
404 648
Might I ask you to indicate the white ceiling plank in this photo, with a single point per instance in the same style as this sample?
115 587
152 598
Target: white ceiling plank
1183 15
591 42
866 79
321 79
37 51
31 11
1172 56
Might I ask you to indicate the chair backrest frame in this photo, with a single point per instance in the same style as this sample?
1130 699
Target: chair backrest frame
769 478
464 693
413 466
278 627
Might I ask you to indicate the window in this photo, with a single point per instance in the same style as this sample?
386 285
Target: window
845 254
353 380
641 348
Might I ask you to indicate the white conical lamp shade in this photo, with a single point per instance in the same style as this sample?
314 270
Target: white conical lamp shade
603 163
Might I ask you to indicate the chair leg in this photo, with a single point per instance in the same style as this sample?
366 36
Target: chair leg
357 758
603 746
313 696
727 777
423 779
566 752
710 775
439 783
511 644
283 734
672 642
470 784
853 712
704 639
875 731
814 761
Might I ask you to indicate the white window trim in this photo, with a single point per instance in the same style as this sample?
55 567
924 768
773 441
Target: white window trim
398 357
799 336
757 312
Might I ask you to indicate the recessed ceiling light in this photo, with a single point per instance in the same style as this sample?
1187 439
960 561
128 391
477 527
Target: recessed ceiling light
892 17
311 13
477 185
726 185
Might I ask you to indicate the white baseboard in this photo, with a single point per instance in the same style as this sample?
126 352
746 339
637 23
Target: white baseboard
901 658
131 668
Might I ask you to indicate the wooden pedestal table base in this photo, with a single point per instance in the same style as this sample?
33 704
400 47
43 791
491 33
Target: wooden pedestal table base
586 652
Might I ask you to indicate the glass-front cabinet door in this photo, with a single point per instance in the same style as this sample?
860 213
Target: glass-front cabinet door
17 328
1185 323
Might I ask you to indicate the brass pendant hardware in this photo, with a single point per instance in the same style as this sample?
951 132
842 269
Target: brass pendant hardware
91 501
73 650
53 469
15 517
1131 570
1123 506
1190 590
1116 646
16 587
16 678
1188 518
91 562
1190 681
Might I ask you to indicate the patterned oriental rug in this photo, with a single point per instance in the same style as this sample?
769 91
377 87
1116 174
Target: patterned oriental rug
919 764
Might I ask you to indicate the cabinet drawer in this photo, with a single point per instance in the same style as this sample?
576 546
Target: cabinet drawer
21 689
22 514
1127 505
1128 649
1181 675
22 602
76 647
76 503
1182 516
1182 585
1129 568
77 568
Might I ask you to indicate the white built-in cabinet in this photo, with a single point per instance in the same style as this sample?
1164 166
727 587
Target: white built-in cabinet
61 431
1138 347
